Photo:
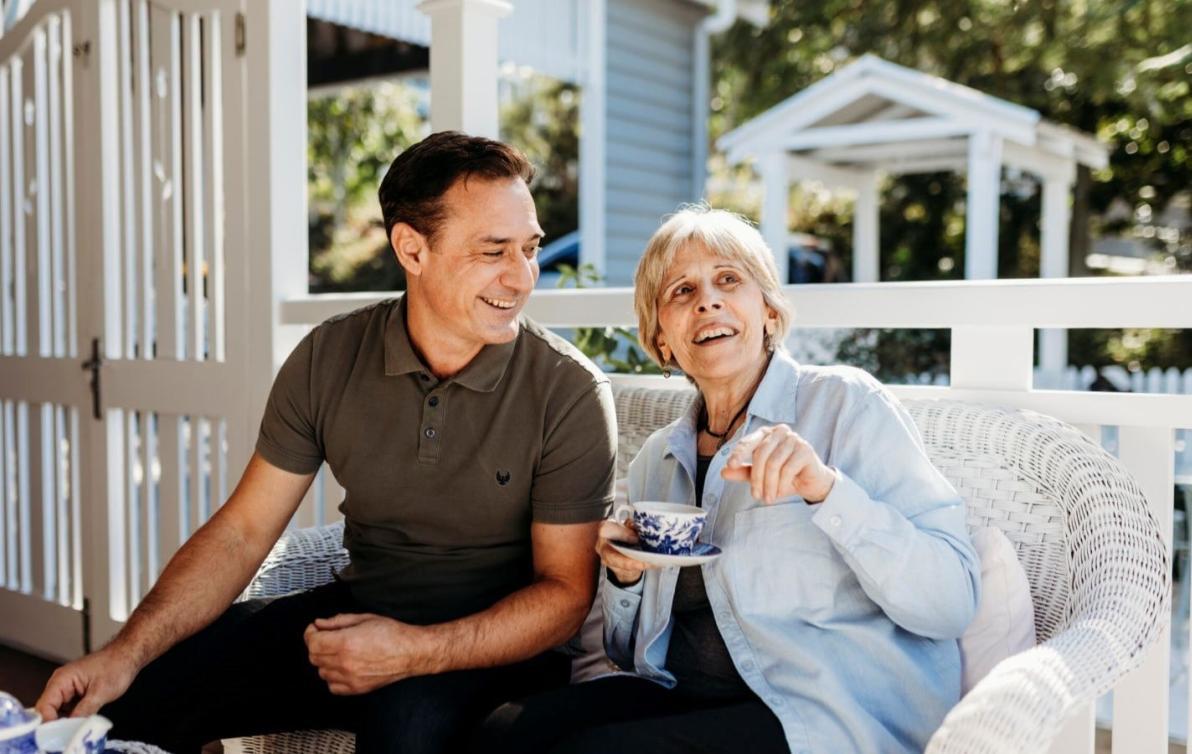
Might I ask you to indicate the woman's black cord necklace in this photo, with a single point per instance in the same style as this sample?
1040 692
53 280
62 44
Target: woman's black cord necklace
722 437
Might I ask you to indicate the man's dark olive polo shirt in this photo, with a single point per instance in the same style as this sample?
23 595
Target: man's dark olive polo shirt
443 477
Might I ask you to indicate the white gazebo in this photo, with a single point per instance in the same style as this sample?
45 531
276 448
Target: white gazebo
873 118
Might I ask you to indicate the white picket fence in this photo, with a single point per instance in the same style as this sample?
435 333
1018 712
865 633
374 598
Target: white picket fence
1154 380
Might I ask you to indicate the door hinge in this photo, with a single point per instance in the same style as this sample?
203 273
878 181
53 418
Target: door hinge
82 50
241 38
86 626
93 365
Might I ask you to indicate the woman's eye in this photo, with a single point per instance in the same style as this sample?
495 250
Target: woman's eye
730 278
494 254
682 290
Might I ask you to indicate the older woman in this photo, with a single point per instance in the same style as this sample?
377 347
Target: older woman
830 622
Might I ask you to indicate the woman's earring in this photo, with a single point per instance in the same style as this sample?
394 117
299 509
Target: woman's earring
666 373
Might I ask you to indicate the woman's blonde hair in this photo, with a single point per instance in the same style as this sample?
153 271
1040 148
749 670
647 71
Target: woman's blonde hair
726 235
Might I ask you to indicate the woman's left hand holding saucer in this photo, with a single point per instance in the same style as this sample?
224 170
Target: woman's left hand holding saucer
627 570
777 462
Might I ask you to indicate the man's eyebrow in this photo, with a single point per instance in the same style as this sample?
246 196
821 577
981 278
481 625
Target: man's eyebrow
499 241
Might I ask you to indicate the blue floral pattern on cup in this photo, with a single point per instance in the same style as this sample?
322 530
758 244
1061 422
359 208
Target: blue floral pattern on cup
17 726
668 534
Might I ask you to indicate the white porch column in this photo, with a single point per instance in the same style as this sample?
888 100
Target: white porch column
1057 217
463 64
775 206
865 231
276 191
592 154
981 217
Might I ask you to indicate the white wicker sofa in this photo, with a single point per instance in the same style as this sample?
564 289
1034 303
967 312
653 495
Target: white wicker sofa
1092 550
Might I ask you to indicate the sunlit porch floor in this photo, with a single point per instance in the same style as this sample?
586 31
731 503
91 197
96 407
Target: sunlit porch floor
24 676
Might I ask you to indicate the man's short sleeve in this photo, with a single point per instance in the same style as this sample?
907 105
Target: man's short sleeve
288 438
574 482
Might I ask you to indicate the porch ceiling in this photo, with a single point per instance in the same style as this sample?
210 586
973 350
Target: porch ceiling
544 35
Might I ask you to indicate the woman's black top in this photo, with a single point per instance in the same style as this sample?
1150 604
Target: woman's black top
697 656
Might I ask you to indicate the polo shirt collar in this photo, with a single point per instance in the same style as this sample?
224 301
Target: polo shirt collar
482 374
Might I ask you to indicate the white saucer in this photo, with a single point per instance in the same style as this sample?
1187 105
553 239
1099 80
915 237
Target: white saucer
702 553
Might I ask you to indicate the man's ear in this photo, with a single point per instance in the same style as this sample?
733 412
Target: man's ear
410 247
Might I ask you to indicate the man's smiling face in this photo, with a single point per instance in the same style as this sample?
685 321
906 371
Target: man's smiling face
482 265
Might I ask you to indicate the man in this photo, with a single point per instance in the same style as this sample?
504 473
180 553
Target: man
476 451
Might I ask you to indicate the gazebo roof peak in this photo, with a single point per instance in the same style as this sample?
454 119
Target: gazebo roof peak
874 103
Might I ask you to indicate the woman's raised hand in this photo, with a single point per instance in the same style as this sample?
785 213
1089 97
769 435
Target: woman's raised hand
777 462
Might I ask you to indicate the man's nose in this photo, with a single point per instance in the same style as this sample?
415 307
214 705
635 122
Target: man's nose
519 274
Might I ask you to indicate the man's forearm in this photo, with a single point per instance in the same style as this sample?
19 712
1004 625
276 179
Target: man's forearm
197 585
524 624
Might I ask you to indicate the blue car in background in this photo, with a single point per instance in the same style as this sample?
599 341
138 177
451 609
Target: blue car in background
808 258
562 250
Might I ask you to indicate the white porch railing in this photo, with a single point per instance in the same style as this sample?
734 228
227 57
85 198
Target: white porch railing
122 222
992 358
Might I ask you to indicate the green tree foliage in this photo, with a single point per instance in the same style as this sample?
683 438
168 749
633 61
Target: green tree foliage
353 133
541 118
615 349
1117 68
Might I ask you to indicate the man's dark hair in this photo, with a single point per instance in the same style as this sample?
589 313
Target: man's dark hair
412 191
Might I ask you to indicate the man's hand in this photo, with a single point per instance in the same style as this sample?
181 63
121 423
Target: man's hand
777 462
357 653
87 683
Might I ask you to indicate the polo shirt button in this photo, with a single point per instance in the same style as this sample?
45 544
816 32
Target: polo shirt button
624 603
709 499
777 701
434 401
835 521
430 432
747 665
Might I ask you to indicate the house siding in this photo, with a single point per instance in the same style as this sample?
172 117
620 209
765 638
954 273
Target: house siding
649 150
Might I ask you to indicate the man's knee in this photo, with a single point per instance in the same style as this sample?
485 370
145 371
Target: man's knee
638 737
413 716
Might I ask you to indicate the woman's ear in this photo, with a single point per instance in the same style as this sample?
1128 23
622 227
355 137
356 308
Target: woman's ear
771 321
410 247
660 341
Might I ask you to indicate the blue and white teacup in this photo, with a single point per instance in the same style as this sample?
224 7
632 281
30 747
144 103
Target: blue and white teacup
74 735
17 726
664 528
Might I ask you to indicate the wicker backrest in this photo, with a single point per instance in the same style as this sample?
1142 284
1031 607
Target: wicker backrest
1042 482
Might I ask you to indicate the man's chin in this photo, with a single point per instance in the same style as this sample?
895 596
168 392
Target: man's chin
503 333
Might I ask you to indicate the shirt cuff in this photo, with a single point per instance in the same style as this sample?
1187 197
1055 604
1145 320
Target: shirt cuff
622 602
843 513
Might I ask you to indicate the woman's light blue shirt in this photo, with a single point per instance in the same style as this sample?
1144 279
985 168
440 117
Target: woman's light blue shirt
843 617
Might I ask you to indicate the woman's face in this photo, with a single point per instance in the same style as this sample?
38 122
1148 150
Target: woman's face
712 315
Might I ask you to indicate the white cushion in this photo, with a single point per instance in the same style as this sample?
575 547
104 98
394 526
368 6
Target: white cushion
1005 621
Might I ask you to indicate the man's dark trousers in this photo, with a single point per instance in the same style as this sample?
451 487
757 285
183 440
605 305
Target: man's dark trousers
248 673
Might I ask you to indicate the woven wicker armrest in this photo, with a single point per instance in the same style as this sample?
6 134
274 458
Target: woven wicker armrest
1117 582
301 559
1023 703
